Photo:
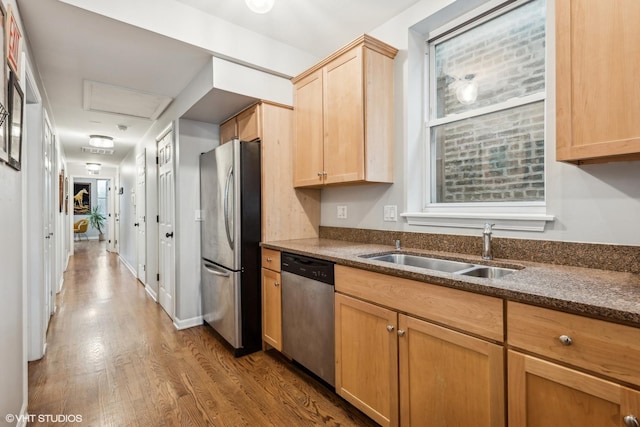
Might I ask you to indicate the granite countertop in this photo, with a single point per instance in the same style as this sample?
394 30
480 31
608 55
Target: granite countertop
608 295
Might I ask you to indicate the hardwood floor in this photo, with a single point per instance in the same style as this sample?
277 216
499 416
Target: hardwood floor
115 359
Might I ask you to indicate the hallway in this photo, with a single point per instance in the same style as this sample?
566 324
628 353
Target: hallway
115 359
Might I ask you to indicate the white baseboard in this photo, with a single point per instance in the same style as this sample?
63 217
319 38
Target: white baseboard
187 323
153 294
129 266
24 416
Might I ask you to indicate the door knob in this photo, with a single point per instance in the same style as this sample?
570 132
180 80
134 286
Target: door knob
631 421
169 234
390 328
401 333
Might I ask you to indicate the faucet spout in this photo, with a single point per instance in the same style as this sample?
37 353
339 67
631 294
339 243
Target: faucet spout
486 241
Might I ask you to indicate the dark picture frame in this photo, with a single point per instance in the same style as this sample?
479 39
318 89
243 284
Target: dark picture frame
81 198
4 136
16 114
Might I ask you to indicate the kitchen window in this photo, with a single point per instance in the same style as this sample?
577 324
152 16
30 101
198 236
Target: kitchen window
485 124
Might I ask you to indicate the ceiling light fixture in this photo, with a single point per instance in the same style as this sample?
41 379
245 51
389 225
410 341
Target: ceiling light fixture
260 6
94 168
100 141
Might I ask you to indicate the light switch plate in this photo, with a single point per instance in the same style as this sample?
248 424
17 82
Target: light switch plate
390 213
342 212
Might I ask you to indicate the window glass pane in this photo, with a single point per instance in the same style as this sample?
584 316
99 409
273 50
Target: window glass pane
102 188
500 59
102 206
491 158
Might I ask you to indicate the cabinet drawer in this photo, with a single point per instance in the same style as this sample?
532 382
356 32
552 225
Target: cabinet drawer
602 347
469 312
271 259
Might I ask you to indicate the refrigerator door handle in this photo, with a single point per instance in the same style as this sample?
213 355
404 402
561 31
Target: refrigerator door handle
216 270
226 207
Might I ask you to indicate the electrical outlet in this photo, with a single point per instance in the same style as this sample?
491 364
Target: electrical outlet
390 213
342 212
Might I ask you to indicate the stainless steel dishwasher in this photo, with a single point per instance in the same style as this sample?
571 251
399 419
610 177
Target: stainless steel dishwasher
308 314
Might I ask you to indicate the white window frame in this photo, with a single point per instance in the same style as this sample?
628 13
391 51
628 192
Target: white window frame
522 216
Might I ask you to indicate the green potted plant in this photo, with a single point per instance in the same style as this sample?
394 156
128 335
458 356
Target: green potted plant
96 220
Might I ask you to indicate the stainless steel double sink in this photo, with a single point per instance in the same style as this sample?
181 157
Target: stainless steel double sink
444 265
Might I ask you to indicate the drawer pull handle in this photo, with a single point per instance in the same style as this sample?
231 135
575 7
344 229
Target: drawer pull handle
268 259
390 328
400 333
631 421
565 339
276 284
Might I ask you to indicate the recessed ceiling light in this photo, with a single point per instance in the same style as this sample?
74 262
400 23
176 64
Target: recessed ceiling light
260 6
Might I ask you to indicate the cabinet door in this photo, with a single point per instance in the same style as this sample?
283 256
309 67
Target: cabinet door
367 358
597 90
344 118
271 309
249 124
543 394
228 130
308 128
449 378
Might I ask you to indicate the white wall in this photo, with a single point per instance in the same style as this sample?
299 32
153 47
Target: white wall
127 238
193 138
12 351
595 203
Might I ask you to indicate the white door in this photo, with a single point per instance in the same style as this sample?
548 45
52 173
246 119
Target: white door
49 206
166 210
141 219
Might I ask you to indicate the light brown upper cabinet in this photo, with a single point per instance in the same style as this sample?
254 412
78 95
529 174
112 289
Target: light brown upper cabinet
244 126
597 90
344 116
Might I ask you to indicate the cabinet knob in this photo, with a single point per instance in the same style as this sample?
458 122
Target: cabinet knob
319 174
631 421
276 284
268 259
400 333
390 328
565 339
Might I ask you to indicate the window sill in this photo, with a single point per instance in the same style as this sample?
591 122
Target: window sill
502 221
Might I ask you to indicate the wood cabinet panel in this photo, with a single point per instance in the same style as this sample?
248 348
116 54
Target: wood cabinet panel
447 375
249 124
476 314
228 130
309 137
271 259
272 308
606 348
597 95
344 119
543 394
367 358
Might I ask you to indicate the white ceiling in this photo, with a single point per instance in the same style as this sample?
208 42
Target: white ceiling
71 45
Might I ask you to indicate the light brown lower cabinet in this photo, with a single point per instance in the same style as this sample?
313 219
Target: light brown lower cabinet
401 370
543 394
272 309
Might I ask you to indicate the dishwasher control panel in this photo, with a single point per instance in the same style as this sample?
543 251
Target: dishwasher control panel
311 268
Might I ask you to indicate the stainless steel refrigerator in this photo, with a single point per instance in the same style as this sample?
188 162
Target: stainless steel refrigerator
231 224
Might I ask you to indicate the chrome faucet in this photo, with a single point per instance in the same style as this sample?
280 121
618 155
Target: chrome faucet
398 245
486 241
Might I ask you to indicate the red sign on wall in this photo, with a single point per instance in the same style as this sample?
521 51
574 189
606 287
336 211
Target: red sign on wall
14 38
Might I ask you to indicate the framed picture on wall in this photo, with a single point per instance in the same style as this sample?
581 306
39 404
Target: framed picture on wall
15 119
81 198
4 140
